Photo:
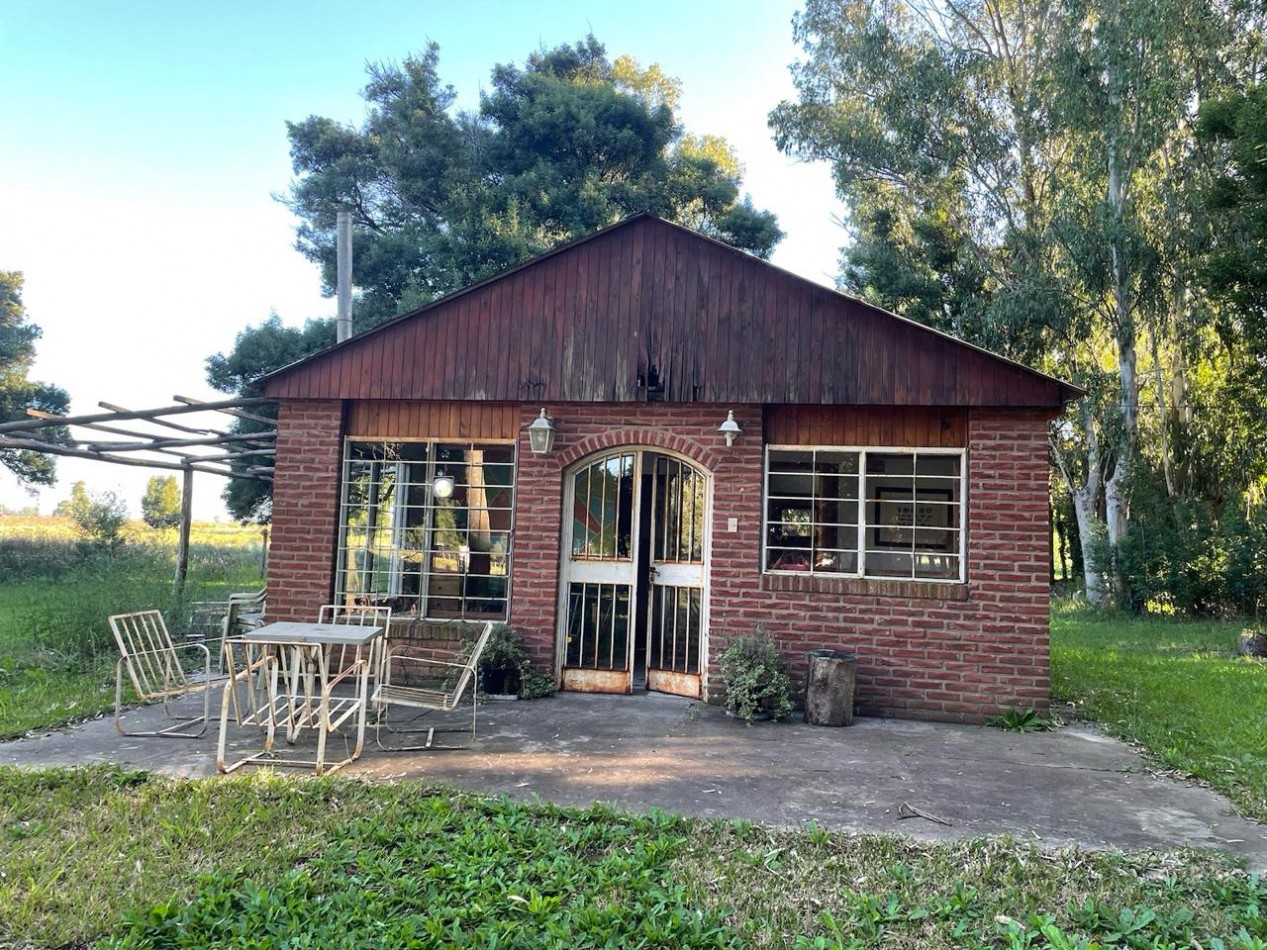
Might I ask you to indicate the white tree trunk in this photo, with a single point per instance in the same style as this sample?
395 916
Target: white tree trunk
1088 527
1085 498
1116 509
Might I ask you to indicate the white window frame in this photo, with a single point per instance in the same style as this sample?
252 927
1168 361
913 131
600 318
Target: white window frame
400 515
862 451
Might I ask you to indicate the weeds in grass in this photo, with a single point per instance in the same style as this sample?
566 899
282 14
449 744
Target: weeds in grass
1021 720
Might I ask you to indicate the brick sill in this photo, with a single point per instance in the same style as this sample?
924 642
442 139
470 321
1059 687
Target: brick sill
866 587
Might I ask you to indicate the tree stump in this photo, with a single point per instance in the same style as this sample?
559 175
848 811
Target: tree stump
1253 643
829 693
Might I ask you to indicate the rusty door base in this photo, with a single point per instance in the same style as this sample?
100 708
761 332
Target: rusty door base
678 684
597 681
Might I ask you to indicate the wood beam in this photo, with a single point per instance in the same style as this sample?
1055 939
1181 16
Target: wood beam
162 422
124 415
52 448
233 412
262 437
186 519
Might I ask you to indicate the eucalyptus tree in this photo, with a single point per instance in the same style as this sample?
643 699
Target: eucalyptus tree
1009 167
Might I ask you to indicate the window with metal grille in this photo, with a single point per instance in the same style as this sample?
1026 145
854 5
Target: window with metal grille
865 512
426 528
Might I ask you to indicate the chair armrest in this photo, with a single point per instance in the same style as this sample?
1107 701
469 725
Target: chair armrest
175 646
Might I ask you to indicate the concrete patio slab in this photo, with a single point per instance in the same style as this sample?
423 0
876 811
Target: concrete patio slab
1071 786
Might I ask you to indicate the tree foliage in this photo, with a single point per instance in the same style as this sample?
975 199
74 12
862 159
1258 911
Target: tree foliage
566 144
258 351
17 391
160 505
99 518
1236 268
1028 177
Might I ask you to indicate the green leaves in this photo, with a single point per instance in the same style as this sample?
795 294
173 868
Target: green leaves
17 392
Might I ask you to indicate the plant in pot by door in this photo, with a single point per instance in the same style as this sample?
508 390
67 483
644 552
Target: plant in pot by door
503 663
755 678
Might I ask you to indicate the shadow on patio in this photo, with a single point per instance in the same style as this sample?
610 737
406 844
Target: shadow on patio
654 751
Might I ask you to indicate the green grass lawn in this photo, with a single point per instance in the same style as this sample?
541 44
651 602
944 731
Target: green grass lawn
1175 688
136 861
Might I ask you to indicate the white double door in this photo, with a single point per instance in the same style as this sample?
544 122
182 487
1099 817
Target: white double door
634 569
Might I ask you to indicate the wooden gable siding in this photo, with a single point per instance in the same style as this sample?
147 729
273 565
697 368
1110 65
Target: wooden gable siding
828 425
399 419
590 322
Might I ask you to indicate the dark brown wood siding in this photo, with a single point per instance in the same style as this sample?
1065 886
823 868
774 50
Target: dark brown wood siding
829 425
600 320
400 419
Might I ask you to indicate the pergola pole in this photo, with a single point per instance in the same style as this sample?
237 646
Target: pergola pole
186 518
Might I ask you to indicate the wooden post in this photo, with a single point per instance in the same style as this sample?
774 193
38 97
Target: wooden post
186 517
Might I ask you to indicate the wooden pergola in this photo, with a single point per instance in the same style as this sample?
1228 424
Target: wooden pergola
153 440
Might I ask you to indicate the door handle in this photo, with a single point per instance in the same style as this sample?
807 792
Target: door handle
653 574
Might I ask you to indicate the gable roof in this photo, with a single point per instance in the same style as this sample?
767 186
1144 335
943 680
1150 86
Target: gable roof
646 303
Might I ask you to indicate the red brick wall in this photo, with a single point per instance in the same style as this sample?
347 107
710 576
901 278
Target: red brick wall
305 508
932 651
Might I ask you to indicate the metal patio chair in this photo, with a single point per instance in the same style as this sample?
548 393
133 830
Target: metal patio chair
436 682
160 671
362 616
244 611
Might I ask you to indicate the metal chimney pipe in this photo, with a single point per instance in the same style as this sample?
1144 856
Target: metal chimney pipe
343 257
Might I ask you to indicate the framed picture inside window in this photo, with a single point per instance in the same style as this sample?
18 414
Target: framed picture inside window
896 513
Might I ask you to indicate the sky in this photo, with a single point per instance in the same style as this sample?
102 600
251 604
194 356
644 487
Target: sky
144 144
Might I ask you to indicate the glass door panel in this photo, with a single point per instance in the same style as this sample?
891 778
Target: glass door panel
674 615
599 609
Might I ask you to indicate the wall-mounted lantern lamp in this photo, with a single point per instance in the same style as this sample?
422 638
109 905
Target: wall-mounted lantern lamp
729 428
443 486
541 435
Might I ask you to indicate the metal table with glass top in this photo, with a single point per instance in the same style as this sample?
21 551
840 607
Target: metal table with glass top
297 677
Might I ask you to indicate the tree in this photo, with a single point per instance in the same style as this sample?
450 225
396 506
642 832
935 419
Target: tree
19 393
1023 175
78 501
1235 270
258 351
568 143
99 518
160 505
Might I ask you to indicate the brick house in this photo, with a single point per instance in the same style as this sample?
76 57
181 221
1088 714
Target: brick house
883 488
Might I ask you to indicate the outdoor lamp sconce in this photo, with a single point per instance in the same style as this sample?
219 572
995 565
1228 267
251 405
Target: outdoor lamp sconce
729 428
541 435
442 487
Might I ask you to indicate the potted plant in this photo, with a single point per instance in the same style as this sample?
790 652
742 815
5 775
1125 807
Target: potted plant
755 678
503 663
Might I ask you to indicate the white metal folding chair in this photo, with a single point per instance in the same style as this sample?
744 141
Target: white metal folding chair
160 671
430 680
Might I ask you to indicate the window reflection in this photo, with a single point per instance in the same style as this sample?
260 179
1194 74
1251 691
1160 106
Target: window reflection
402 545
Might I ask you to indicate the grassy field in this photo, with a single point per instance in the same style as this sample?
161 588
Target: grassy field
56 652
1175 688
266 861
